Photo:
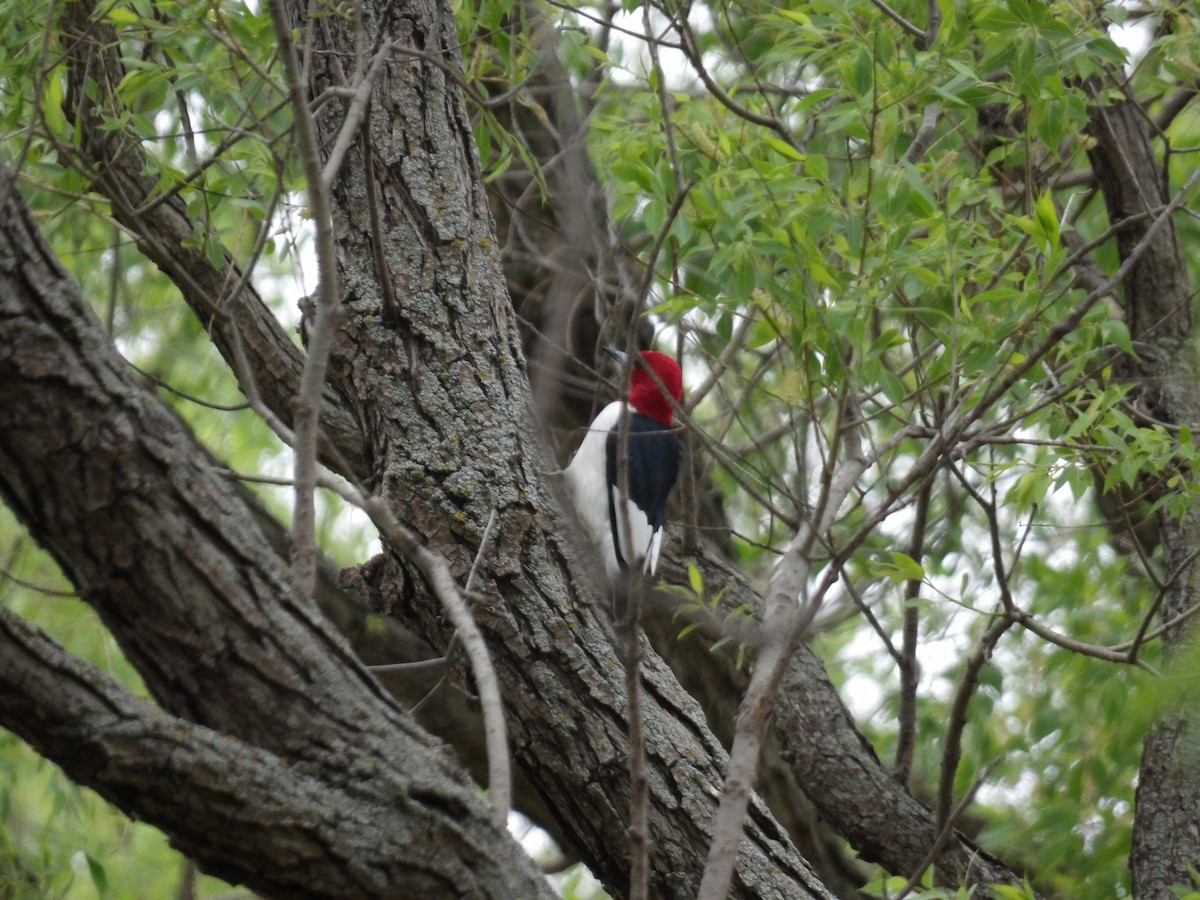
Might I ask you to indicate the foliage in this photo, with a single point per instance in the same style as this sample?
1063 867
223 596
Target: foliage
871 222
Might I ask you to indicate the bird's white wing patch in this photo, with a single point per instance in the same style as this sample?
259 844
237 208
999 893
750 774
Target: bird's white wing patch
641 543
589 485
653 551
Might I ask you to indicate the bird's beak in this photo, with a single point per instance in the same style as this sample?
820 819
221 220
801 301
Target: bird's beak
613 353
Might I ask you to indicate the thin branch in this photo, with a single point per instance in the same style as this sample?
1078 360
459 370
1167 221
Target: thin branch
906 26
906 740
869 615
6 575
355 112
731 351
1158 632
484 542
659 240
1142 636
417 665
924 136
437 573
692 51
947 830
307 402
191 398
784 621
933 24
1021 617
607 23
1174 104
952 752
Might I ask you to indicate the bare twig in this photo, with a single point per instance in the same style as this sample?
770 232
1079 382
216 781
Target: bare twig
924 136
691 50
1174 104
1158 632
785 619
906 26
906 740
417 665
659 240
952 752
933 24
6 575
356 112
947 830
307 402
437 573
872 620
729 353
191 398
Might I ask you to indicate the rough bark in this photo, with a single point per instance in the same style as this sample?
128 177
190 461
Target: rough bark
443 397
139 518
1158 306
242 324
245 813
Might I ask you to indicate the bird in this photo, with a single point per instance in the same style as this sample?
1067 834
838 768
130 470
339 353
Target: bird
652 457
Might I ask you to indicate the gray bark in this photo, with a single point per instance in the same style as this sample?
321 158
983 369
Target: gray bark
139 518
443 398
1158 307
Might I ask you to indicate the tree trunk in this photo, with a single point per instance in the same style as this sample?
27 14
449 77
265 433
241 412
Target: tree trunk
1158 306
444 402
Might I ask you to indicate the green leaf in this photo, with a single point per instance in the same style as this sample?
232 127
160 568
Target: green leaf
786 149
1047 218
52 101
119 16
1114 332
862 74
902 567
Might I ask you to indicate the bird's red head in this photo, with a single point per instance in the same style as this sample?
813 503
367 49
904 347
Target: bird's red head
646 396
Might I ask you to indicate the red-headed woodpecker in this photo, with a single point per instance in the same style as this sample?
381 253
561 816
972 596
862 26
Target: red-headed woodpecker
652 456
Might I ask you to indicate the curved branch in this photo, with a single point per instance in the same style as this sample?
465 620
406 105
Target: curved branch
158 542
238 810
221 297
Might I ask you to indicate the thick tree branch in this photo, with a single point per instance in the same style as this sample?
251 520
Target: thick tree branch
241 812
1158 307
221 297
140 519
